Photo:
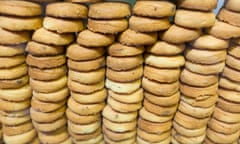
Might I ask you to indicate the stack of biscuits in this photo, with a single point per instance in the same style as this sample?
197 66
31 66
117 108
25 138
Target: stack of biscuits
224 125
47 70
205 59
87 73
18 19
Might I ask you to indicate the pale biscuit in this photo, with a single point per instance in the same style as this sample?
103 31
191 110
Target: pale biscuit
194 19
62 25
56 137
9 51
184 139
66 10
84 137
204 102
50 127
234 50
225 116
229 84
145 24
116 136
155 9
21 138
203 5
231 74
129 140
10 106
118 49
9 62
42 35
177 35
227 105
229 17
229 95
152 137
96 139
83 1
14 72
219 137
151 127
141 141
120 127
8 120
188 132
15 83
107 26
18 129
91 39
233 62
13 38
232 5
109 10
221 127
83 128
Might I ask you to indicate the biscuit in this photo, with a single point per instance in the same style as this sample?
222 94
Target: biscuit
10 106
81 53
219 137
225 116
210 42
184 139
85 109
108 140
155 9
85 88
229 84
151 127
116 136
224 30
20 8
124 63
56 137
161 89
229 95
125 88
144 24
66 10
83 128
91 39
232 5
50 127
118 49
42 117
120 127
158 109
233 62
141 141
9 62
62 25
49 86
163 101
133 38
204 68
176 34
231 74
161 75
14 72
194 19
234 50
204 5
227 105
144 114
16 95
96 97
222 127
229 17
81 119
152 137
107 26
86 66
125 76
83 1
116 116
82 137
91 140
13 121
47 74
18 129
13 38
204 102
109 10
42 35
165 49
52 97
188 132
15 83
187 77
21 138
8 51
46 62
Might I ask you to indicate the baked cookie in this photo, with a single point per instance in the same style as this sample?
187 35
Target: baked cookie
203 5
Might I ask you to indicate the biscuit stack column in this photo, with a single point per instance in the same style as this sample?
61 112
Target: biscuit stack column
87 70
47 69
17 20
224 125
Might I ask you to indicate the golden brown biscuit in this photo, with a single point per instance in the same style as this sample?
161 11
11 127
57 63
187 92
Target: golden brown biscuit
66 10
233 62
229 95
62 25
42 35
224 30
39 49
21 138
229 17
107 26
81 119
50 127
120 127
83 1
115 116
204 5
219 137
153 87
15 83
13 38
85 88
13 61
96 139
96 97
204 68
231 74
204 102
152 137
118 49
229 84
194 19
18 129
82 137
10 106
232 5
187 77
109 10
86 66
188 132
184 139
56 137
85 109
221 127
234 50
133 38
177 35
81 53
14 72
210 42
163 100
57 96
109 140
141 141
20 8
16 114
145 24
20 24
13 121
161 75
83 128
156 9
8 51
227 105
116 136
46 62
124 63
165 49
125 76
91 39
225 116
